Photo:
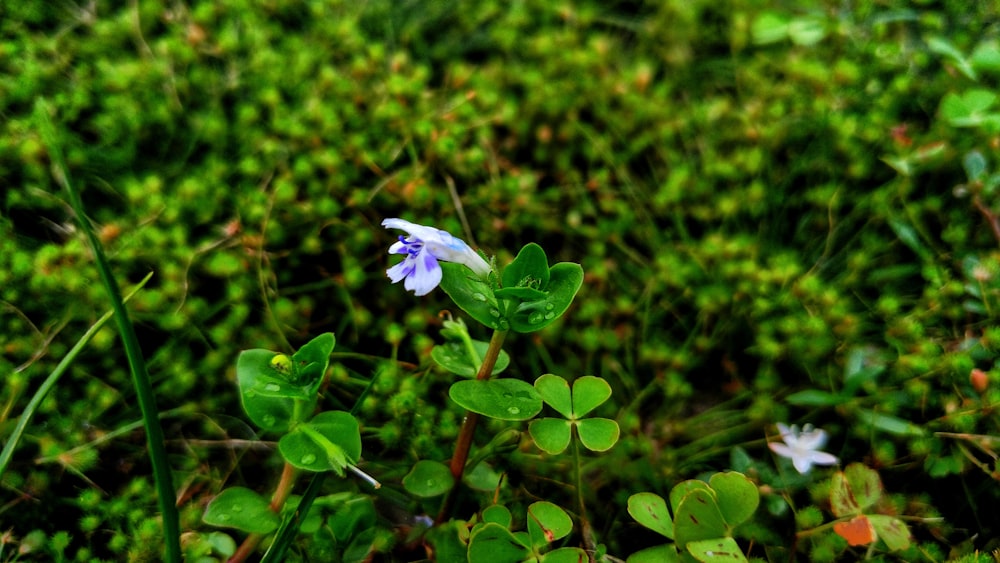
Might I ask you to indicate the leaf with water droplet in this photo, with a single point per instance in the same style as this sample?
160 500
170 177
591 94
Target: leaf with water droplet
428 479
494 398
243 509
328 442
564 282
470 292
454 357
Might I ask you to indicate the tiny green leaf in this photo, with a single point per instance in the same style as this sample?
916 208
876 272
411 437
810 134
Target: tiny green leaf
665 553
472 294
891 530
716 550
565 555
428 479
547 523
243 509
865 484
588 393
503 399
650 510
564 282
554 390
312 359
683 488
454 357
498 513
737 496
698 518
496 544
597 434
271 402
529 269
551 435
330 441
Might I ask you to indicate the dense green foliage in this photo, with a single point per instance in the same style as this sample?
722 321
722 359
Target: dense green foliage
783 214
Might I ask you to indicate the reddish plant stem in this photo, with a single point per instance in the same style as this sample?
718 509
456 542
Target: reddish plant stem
464 441
278 499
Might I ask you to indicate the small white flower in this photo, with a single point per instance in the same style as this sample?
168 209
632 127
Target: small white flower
423 248
803 447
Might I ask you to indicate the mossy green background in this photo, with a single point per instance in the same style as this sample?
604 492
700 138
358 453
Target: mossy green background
758 212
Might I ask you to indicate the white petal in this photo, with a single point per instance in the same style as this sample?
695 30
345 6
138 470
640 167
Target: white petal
812 440
782 450
426 274
401 270
802 464
823 458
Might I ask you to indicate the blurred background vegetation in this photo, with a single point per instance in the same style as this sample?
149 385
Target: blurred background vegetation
786 211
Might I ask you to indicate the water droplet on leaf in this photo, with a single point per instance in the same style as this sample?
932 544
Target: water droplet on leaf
513 410
268 420
549 316
549 306
307 459
272 387
236 508
479 297
495 312
535 318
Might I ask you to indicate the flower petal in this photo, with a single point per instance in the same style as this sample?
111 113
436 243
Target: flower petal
426 273
401 270
812 440
823 458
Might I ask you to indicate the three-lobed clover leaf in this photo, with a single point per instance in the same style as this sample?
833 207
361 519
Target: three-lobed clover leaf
553 435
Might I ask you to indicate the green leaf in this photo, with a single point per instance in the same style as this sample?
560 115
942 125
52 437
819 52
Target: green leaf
814 398
684 488
986 56
650 510
330 441
454 357
243 509
698 518
967 109
547 523
975 165
588 393
865 485
269 399
597 434
842 501
807 30
737 496
891 530
428 479
312 359
503 399
943 47
472 294
666 553
717 550
890 424
493 543
564 282
529 269
554 390
551 435
498 514
769 27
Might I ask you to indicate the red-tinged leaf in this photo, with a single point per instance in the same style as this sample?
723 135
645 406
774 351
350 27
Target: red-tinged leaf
857 530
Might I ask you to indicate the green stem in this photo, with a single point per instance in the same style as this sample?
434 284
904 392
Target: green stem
140 377
464 442
50 381
588 538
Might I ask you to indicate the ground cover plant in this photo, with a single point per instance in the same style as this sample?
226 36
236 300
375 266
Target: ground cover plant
499 281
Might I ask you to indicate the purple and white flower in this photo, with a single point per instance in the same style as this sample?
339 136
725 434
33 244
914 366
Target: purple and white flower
803 447
423 248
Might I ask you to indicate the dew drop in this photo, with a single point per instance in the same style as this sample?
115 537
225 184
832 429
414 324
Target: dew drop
272 387
307 459
508 395
268 420
549 306
513 410
236 508
224 517
549 316
535 318
479 297
503 325
495 312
